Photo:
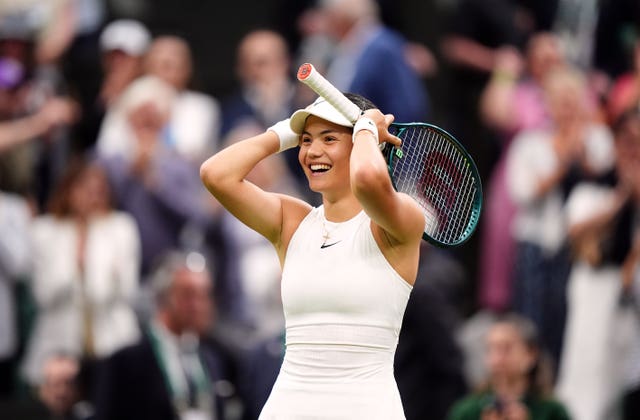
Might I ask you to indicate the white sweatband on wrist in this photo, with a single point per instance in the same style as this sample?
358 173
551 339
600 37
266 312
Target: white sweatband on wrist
365 123
287 137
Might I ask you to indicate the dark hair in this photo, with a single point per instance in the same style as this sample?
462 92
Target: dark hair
540 376
60 201
362 102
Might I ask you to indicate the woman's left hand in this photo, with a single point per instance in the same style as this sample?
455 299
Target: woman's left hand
383 121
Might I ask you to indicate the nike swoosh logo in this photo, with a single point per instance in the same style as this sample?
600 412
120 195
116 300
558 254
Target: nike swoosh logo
323 246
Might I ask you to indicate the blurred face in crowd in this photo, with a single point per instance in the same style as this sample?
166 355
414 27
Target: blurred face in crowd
543 54
169 58
566 96
188 305
507 354
147 118
58 390
90 192
120 61
262 58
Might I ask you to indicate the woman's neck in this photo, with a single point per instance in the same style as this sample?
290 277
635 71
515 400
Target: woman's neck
342 209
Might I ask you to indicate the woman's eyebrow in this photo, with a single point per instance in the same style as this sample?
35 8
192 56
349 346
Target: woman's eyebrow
327 131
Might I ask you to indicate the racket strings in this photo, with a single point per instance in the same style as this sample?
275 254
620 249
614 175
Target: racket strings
438 176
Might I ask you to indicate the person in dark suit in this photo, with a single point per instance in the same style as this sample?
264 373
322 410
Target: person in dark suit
370 59
175 370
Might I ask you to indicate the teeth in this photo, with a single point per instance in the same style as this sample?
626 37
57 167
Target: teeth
320 167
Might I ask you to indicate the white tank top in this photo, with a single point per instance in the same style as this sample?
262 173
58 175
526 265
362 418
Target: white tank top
344 293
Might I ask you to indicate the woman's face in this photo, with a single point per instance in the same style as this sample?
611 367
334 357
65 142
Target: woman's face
324 154
507 355
90 193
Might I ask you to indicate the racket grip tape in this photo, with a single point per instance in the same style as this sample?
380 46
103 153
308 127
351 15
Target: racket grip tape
308 75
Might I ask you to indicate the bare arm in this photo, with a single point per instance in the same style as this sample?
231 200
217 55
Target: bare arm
496 101
274 216
395 213
468 53
18 131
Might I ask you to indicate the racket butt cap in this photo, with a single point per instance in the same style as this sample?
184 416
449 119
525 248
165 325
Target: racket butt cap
304 71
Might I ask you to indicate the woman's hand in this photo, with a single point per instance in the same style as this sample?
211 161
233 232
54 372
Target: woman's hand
383 122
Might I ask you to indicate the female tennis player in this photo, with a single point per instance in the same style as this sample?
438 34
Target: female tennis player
348 265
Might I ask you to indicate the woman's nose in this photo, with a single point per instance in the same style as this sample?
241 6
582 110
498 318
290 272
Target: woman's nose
315 148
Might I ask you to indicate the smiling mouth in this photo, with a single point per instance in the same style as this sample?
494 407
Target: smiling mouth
319 168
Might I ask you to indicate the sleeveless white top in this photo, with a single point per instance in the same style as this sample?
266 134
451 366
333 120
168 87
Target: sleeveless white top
343 305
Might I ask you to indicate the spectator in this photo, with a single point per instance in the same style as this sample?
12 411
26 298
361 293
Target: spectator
176 369
123 43
86 271
603 286
512 101
266 93
195 117
22 121
159 188
370 59
518 385
542 167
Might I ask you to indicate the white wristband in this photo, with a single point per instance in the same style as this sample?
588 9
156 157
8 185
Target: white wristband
365 123
288 138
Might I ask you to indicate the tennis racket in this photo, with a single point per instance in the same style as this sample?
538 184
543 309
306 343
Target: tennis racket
431 166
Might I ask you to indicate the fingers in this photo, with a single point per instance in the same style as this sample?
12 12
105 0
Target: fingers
60 111
383 121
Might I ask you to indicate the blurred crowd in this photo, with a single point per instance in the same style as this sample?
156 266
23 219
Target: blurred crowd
126 291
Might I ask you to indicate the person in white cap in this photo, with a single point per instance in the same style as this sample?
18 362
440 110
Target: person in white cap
348 265
123 43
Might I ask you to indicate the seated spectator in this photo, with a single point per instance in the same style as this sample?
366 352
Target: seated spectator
518 385
195 117
175 370
159 188
86 272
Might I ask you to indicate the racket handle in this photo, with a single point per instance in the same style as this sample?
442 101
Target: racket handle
308 75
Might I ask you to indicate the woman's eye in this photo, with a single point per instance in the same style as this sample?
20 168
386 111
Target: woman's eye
306 140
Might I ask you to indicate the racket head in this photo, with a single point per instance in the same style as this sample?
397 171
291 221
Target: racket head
437 172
